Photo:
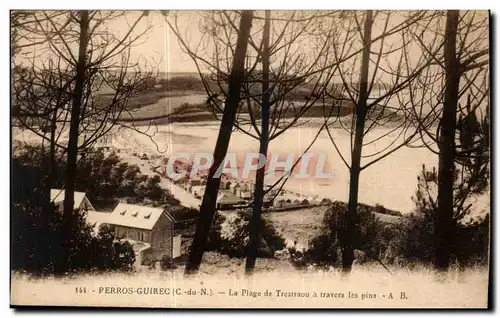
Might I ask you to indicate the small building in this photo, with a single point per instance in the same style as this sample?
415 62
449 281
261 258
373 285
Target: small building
198 191
97 219
181 165
325 201
244 187
82 203
273 192
225 185
153 226
246 195
235 188
195 182
227 200
268 200
313 200
279 203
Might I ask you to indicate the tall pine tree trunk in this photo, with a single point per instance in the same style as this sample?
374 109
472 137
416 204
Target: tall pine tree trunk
253 246
51 166
444 218
52 153
208 205
72 152
360 113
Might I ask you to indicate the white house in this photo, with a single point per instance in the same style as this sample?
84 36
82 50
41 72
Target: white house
81 201
198 191
136 223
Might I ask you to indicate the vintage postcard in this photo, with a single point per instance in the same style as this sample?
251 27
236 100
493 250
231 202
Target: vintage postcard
250 159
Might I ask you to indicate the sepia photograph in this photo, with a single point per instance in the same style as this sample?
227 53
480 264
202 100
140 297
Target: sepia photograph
250 159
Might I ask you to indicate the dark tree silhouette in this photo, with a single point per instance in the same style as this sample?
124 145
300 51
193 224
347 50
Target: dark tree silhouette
208 204
455 91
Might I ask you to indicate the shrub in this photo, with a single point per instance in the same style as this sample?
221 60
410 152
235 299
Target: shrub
36 243
379 208
230 235
414 241
415 238
104 178
182 213
325 248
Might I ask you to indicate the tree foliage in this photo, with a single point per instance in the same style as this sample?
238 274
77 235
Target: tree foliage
105 178
414 240
36 244
230 234
325 248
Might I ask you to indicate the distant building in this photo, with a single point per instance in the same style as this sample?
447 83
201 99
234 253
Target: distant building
313 199
326 201
204 179
225 185
105 142
246 195
181 165
80 198
273 192
279 203
195 182
246 187
136 223
97 219
227 200
198 191
268 200
235 189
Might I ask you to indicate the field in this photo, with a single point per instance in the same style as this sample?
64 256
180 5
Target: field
300 225
181 97
163 106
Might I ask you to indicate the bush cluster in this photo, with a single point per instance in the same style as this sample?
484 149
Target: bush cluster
230 234
408 242
105 178
37 234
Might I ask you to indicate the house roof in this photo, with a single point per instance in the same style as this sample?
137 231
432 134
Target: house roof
57 196
95 219
200 189
227 198
136 216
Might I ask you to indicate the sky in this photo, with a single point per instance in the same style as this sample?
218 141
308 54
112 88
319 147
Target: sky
160 47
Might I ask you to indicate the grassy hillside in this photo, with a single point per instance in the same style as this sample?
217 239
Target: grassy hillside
182 98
